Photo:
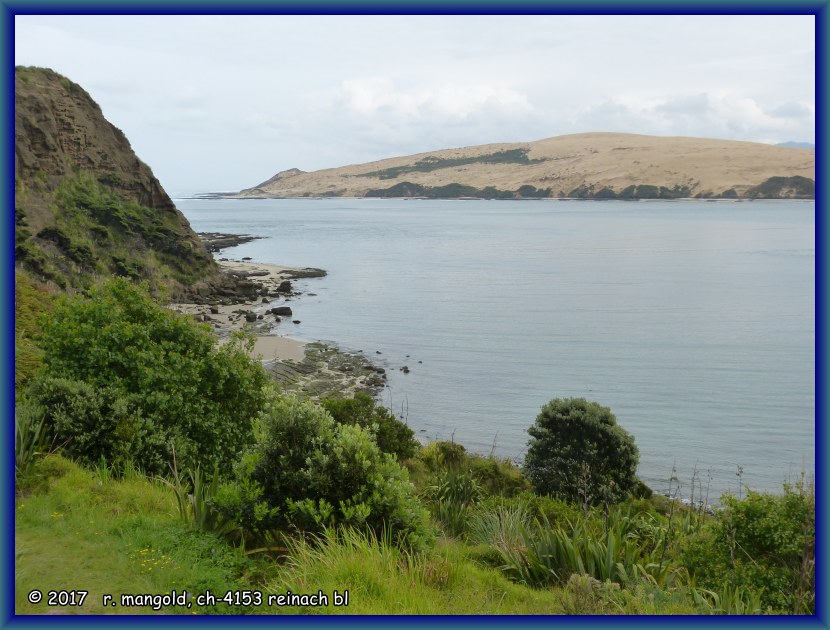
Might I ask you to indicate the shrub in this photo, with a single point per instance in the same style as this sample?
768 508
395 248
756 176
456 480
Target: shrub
307 473
95 424
31 301
579 453
443 455
155 381
764 543
391 434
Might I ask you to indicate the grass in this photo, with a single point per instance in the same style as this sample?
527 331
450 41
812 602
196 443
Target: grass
382 579
76 530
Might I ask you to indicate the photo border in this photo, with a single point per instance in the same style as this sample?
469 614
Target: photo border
10 8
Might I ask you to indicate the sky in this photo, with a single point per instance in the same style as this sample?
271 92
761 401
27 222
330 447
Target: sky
221 103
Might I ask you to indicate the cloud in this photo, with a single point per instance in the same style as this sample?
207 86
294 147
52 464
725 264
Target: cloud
726 115
380 97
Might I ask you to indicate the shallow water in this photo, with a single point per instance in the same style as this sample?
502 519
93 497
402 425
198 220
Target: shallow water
693 321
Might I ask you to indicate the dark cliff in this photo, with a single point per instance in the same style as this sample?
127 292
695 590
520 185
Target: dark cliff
85 206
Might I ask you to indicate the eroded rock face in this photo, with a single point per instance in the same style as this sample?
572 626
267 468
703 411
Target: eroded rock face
59 128
87 207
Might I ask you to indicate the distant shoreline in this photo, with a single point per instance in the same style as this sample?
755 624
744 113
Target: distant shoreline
237 196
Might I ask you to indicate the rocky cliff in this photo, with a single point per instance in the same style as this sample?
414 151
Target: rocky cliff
584 166
85 206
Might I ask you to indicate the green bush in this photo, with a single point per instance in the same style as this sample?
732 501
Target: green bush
764 543
307 473
391 434
93 424
155 381
578 452
442 455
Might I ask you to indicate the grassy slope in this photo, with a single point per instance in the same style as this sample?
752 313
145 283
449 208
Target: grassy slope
82 530
78 530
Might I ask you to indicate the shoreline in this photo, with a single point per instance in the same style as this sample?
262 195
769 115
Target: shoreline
227 318
304 367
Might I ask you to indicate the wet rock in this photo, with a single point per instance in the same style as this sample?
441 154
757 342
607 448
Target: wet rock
282 310
250 316
285 287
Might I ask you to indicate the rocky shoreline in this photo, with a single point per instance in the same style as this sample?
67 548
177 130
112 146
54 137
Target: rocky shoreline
259 303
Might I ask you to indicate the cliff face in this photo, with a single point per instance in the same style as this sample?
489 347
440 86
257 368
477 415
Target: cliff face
587 166
85 205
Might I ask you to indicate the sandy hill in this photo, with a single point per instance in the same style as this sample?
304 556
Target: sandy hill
588 165
85 206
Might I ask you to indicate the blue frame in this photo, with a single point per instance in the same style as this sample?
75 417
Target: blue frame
10 8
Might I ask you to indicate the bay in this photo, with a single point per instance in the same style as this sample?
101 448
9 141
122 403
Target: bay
693 321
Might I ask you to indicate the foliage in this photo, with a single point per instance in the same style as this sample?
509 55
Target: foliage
778 187
129 380
455 190
391 434
307 472
31 301
30 439
579 453
92 229
194 500
762 543
432 163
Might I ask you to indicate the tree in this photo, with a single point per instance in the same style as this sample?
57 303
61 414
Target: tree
129 380
307 472
578 452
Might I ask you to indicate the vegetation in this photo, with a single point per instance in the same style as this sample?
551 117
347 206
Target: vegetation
432 163
579 453
91 230
391 434
632 192
31 301
454 191
308 472
243 489
128 381
784 187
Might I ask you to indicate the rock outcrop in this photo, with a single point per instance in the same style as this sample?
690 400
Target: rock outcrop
87 207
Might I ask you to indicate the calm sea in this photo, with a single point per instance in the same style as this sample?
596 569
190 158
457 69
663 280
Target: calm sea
693 321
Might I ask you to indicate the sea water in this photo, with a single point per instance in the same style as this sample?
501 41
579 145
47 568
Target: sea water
693 321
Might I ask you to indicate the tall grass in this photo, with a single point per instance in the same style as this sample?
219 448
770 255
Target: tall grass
384 579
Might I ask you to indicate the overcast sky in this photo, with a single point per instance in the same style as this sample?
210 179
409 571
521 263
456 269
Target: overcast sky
220 103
